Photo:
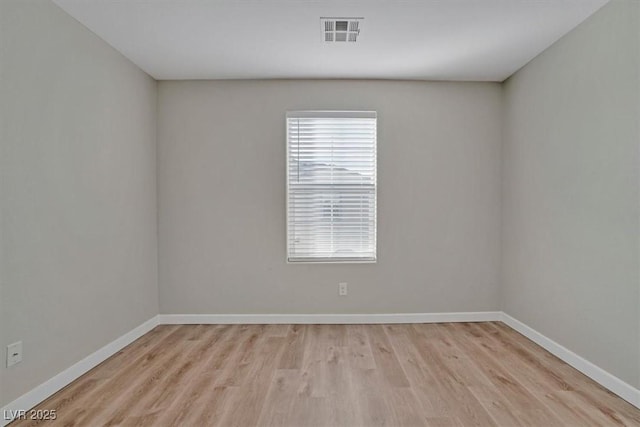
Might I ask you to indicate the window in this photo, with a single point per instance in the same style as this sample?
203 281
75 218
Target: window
331 186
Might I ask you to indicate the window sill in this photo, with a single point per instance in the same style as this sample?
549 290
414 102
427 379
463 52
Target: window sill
329 261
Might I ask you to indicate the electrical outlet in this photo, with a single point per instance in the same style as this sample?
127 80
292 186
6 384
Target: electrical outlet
14 353
342 289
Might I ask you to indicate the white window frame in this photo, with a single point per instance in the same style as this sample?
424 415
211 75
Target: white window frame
332 114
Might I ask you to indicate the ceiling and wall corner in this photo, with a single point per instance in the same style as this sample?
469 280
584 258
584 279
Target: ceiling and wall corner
465 40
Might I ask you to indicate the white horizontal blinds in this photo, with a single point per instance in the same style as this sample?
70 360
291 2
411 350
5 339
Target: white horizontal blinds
331 186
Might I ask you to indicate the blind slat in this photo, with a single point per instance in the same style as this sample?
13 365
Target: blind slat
331 186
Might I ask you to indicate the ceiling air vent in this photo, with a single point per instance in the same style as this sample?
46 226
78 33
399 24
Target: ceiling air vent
340 29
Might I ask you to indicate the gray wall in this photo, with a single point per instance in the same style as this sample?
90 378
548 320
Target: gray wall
78 206
571 217
221 163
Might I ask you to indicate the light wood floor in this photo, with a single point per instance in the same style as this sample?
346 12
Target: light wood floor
461 374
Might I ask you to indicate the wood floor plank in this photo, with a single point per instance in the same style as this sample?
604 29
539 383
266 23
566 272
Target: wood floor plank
423 383
530 368
563 404
280 396
294 348
468 409
312 378
527 408
371 406
199 378
148 394
277 330
213 407
480 374
444 422
234 368
246 405
386 360
459 359
341 391
496 405
359 349
404 406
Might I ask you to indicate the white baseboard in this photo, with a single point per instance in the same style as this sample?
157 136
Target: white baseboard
599 375
48 388
51 386
270 319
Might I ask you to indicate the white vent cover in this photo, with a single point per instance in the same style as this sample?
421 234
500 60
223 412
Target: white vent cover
340 29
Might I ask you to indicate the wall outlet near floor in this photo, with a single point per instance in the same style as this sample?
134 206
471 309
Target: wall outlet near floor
342 289
14 353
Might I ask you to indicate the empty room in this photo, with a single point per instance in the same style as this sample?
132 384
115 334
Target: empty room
320 213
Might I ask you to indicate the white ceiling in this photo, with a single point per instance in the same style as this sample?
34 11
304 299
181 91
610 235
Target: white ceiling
484 40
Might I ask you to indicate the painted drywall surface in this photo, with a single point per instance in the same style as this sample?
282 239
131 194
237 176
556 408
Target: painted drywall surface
78 192
570 238
221 163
